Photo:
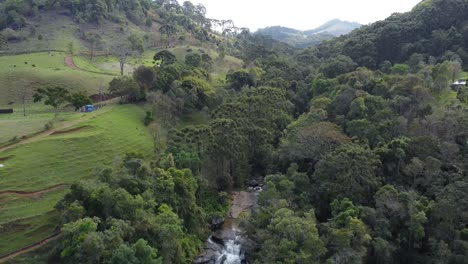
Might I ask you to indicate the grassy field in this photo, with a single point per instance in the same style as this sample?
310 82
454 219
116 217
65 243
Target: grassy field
18 77
64 158
25 232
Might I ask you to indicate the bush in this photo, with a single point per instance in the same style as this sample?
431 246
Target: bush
48 126
148 118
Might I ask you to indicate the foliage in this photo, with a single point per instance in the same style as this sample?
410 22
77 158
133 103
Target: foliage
78 100
54 96
128 87
133 200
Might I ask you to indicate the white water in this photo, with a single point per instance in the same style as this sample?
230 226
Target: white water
231 253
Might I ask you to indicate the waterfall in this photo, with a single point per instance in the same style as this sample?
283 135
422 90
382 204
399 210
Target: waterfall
231 253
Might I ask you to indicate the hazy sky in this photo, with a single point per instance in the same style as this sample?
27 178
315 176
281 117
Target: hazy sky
301 14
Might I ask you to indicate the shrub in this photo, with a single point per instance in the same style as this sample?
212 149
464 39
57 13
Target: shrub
148 118
48 126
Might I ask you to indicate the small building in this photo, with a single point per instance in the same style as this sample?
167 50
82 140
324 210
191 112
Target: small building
458 84
89 108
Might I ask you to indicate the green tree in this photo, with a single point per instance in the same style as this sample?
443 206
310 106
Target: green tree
136 43
78 100
350 171
193 60
291 238
165 57
168 31
126 86
54 96
80 243
145 77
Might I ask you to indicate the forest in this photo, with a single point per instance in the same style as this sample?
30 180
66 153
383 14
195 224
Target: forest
361 142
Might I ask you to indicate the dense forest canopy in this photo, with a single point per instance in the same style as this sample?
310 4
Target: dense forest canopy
361 143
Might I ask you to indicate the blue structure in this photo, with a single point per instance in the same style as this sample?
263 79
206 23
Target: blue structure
89 108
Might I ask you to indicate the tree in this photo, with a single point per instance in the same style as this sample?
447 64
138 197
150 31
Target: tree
136 43
95 42
165 57
200 91
168 30
122 50
80 243
126 86
348 172
54 96
3 41
145 77
193 60
138 253
346 235
291 238
239 79
78 100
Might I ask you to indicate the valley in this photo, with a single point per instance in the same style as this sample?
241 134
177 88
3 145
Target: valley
146 132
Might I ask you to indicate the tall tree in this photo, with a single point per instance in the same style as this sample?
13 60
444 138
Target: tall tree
54 96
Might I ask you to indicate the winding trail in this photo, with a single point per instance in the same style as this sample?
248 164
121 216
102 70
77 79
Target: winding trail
35 193
29 248
69 62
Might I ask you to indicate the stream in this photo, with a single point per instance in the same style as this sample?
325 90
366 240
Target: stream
228 245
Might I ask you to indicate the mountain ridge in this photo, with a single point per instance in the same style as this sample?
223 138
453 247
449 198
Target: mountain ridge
311 37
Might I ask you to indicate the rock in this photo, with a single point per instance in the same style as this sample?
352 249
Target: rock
205 260
218 237
248 247
217 223
253 183
223 259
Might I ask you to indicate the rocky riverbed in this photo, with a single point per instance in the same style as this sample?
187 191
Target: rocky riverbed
228 245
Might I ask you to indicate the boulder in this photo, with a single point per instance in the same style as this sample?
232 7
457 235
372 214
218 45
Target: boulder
217 223
253 183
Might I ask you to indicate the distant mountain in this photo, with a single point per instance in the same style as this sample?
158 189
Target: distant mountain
335 27
302 39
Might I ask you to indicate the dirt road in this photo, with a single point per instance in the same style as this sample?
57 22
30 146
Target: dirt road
29 248
69 62
35 193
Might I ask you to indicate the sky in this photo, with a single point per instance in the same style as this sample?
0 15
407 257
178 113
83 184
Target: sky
301 14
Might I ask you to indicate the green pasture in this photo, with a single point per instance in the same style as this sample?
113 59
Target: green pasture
64 158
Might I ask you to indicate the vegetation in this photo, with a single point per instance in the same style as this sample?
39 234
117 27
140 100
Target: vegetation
361 144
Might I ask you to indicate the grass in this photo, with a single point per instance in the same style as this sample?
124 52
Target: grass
27 231
68 157
49 69
16 129
64 158
17 207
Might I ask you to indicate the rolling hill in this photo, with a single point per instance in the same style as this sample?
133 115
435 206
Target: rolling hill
303 39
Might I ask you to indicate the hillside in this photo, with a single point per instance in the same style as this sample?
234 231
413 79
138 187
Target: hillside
303 39
435 29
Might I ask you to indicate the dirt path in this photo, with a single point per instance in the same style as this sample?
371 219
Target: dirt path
29 248
61 126
242 202
69 62
34 193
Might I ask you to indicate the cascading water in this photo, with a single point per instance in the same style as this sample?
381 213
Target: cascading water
227 245
231 253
